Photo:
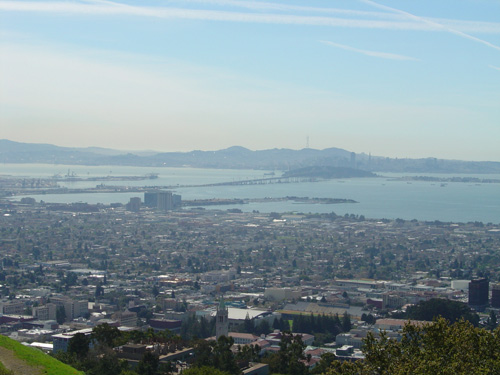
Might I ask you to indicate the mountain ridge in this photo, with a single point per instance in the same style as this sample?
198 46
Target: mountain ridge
235 157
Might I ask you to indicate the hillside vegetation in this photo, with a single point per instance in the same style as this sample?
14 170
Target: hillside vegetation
435 348
39 362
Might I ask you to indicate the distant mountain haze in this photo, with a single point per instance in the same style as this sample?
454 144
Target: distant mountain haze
235 157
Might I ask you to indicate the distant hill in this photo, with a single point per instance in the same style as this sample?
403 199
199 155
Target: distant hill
235 157
22 359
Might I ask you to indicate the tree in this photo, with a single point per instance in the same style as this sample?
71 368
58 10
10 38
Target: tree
450 310
216 354
60 314
222 356
156 291
248 353
79 345
248 326
346 322
205 370
434 348
325 362
99 290
288 360
263 328
492 321
106 363
370 319
105 335
70 279
203 353
148 365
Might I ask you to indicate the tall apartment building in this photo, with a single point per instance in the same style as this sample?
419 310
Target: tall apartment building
478 292
14 307
162 200
125 318
45 312
165 201
495 295
151 199
134 204
73 309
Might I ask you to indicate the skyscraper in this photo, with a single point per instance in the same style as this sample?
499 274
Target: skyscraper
165 202
478 292
162 200
495 295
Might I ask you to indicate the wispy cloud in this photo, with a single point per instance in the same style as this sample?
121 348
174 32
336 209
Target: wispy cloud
436 25
267 6
382 55
494 67
358 19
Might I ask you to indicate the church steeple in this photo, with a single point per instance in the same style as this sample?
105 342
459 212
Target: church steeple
222 320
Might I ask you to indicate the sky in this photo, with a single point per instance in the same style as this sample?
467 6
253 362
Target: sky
405 78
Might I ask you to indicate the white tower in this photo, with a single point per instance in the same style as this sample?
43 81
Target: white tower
222 320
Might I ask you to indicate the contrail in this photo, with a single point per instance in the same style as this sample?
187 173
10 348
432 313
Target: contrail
432 23
395 20
383 55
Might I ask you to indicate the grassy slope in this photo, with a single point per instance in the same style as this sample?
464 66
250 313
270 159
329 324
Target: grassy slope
3 370
36 358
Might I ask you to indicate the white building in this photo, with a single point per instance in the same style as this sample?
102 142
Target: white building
45 312
282 294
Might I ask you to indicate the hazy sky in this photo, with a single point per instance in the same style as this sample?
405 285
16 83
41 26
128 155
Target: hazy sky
406 78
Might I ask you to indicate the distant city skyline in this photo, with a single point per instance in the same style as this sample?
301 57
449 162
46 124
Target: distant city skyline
406 79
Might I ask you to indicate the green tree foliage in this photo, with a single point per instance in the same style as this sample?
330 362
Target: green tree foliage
492 321
102 359
262 328
205 370
156 290
60 314
71 279
370 319
198 328
149 364
78 345
248 353
323 327
434 348
223 357
105 335
317 324
105 362
453 311
99 290
248 325
288 360
346 322
324 364
216 354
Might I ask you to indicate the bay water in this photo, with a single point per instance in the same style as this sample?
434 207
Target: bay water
381 197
